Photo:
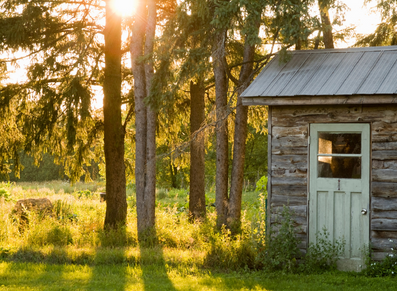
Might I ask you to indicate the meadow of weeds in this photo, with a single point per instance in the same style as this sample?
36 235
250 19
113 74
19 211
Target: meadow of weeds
73 233
68 250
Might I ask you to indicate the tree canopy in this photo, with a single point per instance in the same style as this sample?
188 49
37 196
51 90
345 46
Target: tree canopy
71 48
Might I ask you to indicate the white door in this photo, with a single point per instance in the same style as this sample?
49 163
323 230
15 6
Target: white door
339 187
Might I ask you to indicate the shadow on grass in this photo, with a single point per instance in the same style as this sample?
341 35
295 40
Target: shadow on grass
153 265
109 268
35 268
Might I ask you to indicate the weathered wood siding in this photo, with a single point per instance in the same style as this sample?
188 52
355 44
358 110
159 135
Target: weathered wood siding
289 165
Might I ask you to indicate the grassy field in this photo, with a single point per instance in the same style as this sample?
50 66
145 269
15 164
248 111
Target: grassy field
30 276
69 250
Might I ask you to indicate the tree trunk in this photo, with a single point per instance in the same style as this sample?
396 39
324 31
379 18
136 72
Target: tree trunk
240 136
138 71
116 203
197 162
150 187
222 143
145 116
328 38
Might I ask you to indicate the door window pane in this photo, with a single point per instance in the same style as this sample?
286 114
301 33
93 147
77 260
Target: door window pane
339 167
339 143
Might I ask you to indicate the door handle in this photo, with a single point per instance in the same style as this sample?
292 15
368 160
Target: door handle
364 211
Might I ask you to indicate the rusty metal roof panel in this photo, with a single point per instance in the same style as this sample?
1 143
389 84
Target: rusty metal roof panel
337 72
378 74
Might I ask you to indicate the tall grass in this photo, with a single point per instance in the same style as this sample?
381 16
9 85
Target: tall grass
74 231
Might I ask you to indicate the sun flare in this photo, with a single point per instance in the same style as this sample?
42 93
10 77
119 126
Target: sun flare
124 7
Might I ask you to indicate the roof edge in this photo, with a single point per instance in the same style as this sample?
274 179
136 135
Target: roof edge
321 100
344 50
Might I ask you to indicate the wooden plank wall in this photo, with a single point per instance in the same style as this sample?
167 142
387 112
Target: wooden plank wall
290 130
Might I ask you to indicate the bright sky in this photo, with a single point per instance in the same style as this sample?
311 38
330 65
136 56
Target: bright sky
361 17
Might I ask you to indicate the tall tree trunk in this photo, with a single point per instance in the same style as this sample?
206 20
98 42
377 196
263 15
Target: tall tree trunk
145 117
197 162
138 70
240 136
150 187
116 203
222 143
328 38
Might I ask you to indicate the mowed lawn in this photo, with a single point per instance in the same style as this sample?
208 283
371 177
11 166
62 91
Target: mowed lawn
31 276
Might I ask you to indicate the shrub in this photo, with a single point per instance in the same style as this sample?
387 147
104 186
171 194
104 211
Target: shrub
280 251
59 235
386 267
227 251
323 255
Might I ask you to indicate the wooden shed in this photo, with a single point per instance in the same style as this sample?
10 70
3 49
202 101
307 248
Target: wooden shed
333 145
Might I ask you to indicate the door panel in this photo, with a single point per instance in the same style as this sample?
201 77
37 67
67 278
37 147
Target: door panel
339 187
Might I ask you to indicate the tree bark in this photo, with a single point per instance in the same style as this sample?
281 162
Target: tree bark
197 162
222 142
240 136
150 187
138 70
116 203
328 38
145 116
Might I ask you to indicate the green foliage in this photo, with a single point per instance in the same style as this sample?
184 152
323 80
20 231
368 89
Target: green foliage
5 194
323 255
44 170
84 194
386 267
385 33
261 184
255 164
50 110
383 268
59 235
280 250
64 210
230 252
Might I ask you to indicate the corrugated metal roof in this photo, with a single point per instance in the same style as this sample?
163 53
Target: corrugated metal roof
338 72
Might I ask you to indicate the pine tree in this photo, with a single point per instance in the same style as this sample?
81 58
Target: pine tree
52 109
385 33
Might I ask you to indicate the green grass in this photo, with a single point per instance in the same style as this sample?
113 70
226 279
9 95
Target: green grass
69 250
30 276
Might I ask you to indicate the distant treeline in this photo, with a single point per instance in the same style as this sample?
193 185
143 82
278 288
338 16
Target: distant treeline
47 170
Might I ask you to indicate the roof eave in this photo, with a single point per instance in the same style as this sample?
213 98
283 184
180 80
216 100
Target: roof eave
321 100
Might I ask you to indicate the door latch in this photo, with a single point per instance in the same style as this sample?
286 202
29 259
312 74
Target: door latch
364 211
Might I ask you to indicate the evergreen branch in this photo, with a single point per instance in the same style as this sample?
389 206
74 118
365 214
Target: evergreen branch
74 3
36 51
128 117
